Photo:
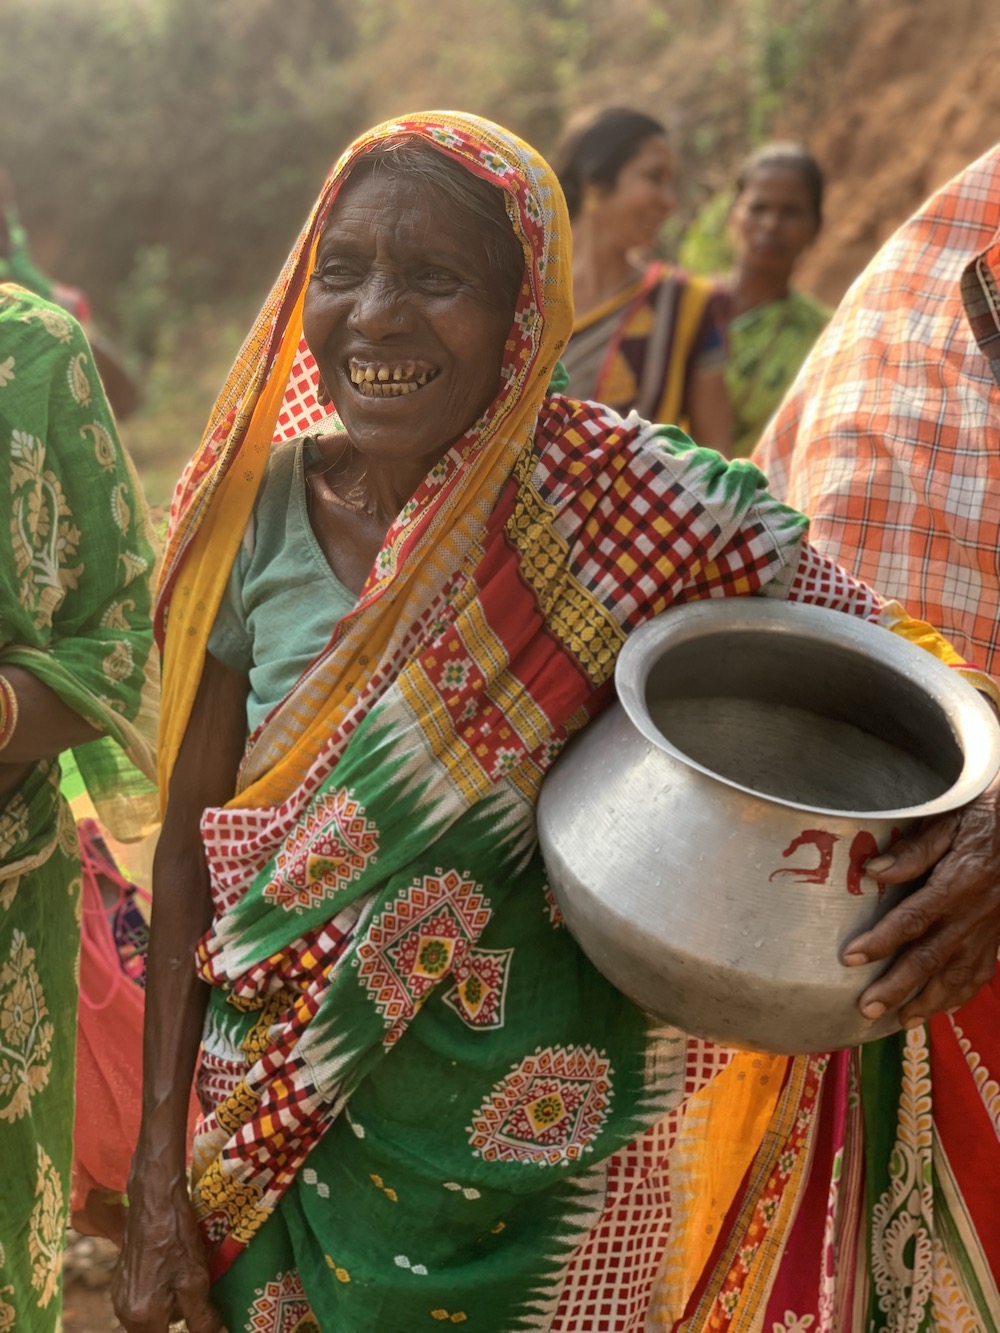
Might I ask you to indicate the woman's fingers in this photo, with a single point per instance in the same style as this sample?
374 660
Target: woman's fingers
945 934
162 1275
955 986
142 1318
942 971
186 1297
194 1293
916 852
199 1314
911 920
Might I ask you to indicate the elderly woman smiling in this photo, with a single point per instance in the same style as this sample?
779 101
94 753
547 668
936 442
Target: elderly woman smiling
423 1106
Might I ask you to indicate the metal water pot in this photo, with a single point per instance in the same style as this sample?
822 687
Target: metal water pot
705 837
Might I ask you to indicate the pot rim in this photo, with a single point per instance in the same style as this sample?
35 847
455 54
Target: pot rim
970 716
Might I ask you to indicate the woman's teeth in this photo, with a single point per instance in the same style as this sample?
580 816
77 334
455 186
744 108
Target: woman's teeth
382 381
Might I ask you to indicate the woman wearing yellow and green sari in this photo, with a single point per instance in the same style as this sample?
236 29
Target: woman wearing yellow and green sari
423 1106
776 215
77 670
648 337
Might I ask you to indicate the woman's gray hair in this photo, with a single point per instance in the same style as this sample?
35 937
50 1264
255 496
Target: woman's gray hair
482 203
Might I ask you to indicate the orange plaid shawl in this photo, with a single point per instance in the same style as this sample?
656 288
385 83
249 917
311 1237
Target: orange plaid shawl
890 437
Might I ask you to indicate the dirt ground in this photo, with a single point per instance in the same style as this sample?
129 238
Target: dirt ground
88 1268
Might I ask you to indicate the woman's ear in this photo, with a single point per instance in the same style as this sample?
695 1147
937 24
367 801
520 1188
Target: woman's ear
323 394
592 196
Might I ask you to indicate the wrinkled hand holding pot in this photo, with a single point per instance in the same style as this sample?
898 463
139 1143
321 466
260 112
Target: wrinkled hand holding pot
706 837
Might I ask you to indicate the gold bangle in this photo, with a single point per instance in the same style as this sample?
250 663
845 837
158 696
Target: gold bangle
8 711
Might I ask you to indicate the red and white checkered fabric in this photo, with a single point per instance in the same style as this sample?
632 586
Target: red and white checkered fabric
301 411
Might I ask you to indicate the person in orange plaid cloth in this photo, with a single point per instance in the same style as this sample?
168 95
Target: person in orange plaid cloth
890 441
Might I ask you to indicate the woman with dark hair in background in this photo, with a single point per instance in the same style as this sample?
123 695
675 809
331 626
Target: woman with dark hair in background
647 335
777 214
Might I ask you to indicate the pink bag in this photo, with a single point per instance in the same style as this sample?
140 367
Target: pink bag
109 1026
109 1034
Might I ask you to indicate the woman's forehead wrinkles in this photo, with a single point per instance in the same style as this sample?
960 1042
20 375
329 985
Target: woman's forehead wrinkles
412 218
394 235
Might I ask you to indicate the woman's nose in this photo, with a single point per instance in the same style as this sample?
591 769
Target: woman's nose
379 307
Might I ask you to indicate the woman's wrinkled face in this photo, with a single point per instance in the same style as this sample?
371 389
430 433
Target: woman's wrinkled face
774 218
642 197
406 317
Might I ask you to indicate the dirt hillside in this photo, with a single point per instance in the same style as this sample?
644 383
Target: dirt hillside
916 99
893 96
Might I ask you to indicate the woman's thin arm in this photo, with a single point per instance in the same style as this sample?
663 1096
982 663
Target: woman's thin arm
163 1274
709 415
45 725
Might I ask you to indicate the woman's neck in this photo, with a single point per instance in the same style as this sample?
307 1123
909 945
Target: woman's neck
600 268
752 288
378 487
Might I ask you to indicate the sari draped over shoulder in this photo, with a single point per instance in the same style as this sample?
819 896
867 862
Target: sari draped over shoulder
638 350
767 345
423 1104
75 608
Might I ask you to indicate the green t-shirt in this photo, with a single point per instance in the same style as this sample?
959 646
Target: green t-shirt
282 600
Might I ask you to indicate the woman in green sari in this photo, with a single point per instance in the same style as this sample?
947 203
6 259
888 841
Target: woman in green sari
76 671
772 325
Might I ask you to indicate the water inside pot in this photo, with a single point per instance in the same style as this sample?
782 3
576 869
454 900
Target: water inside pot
796 754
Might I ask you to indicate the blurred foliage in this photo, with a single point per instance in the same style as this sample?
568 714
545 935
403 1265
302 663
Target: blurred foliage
783 37
706 246
165 152
147 313
142 123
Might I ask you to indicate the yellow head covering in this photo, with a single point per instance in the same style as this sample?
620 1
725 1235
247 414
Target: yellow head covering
271 396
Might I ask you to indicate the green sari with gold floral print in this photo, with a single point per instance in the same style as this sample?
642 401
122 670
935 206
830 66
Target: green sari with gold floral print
75 570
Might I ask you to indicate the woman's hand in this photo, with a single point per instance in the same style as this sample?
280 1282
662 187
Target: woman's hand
162 1274
947 932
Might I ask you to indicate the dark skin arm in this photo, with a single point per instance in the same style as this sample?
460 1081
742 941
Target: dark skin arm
163 1273
948 931
45 727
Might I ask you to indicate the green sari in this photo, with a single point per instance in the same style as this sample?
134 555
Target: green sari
74 610
767 345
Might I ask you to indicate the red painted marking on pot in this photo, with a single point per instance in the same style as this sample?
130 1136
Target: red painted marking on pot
823 842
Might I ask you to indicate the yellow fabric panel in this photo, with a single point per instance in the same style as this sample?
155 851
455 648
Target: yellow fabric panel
896 618
724 1125
202 581
689 316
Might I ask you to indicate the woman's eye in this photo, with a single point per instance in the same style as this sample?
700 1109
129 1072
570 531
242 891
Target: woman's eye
436 278
335 271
